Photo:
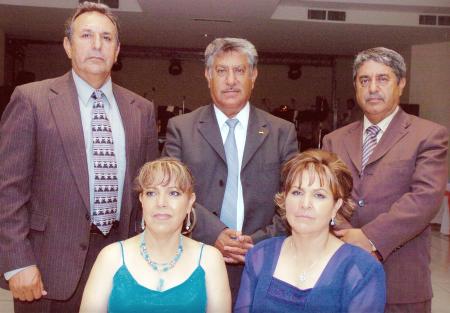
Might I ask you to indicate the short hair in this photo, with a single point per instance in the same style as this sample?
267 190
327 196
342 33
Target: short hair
222 45
171 169
331 171
382 55
87 7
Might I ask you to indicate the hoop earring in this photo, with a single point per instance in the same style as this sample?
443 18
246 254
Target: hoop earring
333 221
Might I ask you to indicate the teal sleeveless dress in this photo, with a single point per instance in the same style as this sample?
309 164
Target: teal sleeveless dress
127 295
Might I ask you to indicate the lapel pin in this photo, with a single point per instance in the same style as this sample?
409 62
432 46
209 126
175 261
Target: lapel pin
261 132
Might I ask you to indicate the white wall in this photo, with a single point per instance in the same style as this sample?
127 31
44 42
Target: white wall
430 82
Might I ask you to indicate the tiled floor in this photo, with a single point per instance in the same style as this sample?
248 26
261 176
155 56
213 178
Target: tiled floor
440 272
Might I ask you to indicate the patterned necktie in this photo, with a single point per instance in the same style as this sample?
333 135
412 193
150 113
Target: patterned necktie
228 214
105 168
369 144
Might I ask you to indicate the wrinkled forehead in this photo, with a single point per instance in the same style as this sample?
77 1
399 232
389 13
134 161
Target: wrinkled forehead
231 58
94 21
373 68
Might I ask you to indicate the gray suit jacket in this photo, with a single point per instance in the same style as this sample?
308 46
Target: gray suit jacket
397 197
44 185
195 139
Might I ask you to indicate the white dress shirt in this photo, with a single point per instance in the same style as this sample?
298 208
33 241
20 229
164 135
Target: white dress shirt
240 133
383 125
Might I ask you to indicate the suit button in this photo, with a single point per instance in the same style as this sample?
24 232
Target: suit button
83 246
361 203
221 183
88 217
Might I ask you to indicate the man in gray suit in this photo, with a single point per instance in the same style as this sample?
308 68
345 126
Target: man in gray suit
399 168
235 203
70 149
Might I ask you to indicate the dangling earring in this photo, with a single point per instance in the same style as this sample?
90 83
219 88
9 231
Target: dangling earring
333 221
142 223
188 221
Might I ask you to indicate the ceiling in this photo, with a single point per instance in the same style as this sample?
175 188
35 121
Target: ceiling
272 25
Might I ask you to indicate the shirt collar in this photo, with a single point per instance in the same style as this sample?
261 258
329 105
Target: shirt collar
85 90
242 116
383 124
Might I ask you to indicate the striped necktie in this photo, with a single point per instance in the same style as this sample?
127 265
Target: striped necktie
228 214
369 144
105 167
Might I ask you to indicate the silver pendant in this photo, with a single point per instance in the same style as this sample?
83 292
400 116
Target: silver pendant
302 277
160 284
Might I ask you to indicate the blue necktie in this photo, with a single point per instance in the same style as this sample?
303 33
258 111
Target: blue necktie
228 214
369 144
105 168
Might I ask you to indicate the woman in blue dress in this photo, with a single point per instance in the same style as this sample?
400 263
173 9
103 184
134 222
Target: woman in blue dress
312 270
161 269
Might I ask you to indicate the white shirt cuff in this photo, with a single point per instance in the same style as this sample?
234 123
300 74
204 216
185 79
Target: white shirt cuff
10 274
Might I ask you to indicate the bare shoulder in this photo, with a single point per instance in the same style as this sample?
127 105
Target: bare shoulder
111 255
211 257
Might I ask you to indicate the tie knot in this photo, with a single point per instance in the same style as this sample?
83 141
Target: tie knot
97 94
232 122
373 130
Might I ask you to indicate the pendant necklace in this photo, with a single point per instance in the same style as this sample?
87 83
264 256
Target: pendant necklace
303 274
161 268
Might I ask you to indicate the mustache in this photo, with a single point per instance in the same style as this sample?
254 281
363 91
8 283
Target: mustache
375 96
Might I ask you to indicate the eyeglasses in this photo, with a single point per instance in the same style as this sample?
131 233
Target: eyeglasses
381 80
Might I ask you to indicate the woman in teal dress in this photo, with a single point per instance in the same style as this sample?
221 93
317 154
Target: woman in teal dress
161 269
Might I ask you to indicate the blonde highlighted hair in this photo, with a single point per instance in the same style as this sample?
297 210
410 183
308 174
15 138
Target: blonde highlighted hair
162 172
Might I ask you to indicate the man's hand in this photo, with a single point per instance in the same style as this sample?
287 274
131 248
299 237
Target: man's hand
356 237
27 285
233 245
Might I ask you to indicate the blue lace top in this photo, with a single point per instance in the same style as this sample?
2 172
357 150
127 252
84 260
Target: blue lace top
127 295
353 281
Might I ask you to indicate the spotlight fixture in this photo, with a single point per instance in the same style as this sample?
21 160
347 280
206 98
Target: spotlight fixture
175 67
295 71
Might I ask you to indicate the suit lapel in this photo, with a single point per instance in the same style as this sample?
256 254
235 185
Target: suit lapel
257 132
131 125
209 129
66 111
353 144
395 131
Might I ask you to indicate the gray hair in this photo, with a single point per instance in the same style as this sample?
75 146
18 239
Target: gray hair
87 7
221 45
382 55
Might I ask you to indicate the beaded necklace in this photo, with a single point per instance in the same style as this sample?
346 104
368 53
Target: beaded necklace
161 267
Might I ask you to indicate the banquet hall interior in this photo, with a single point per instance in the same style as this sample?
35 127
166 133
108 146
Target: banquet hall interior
306 49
